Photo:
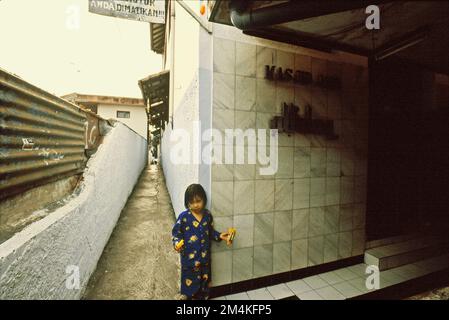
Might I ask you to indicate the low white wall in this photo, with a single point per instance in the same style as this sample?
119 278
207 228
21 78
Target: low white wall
34 262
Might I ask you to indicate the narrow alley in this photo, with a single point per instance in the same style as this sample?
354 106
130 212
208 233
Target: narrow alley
138 261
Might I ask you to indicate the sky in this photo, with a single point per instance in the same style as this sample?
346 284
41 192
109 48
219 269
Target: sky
62 48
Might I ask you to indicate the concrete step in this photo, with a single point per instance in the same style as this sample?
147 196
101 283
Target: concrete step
404 252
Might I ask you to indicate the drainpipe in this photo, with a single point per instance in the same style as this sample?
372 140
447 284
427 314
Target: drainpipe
172 62
246 19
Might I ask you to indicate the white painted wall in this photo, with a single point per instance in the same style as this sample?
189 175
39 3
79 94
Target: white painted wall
137 120
33 262
185 105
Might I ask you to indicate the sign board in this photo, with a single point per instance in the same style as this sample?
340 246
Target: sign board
141 10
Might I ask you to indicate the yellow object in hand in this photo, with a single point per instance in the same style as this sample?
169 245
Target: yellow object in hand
231 232
179 244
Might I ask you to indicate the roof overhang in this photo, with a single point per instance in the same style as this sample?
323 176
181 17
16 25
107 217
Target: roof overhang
412 30
155 92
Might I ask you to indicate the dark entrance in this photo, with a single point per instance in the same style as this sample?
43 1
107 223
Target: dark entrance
408 174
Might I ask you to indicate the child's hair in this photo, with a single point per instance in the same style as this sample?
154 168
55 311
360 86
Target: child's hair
192 191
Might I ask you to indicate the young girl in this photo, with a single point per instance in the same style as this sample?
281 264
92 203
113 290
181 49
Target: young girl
196 228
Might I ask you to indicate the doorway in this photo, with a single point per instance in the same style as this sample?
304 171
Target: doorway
408 153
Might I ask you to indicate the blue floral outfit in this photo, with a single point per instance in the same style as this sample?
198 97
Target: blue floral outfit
195 256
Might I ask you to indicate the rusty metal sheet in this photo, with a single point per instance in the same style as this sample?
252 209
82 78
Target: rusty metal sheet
43 138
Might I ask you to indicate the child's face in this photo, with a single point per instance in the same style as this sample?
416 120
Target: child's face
196 204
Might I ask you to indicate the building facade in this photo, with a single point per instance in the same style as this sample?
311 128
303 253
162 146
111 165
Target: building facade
312 210
130 111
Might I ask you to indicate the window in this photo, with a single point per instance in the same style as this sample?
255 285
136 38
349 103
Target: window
123 114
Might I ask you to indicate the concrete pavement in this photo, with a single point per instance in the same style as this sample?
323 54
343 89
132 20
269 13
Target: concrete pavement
139 261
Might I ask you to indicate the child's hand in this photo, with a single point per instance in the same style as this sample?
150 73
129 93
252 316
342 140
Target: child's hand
224 236
179 246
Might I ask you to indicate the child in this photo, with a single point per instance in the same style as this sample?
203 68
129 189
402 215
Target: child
195 226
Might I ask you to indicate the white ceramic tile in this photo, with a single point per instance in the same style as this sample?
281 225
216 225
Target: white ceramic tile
285 59
238 296
319 104
281 257
298 286
245 120
389 278
318 162
285 93
224 55
223 91
331 277
299 253
222 266
359 269
242 264
331 219
301 162
330 293
346 217
332 191
317 192
309 295
263 260
265 96
303 63
358 242
316 221
315 282
245 63
408 271
300 223
245 93
315 251
301 193
260 294
283 194
221 198
360 284
263 228
330 247
244 225
344 244
265 56
243 197
222 172
280 291
285 159
346 274
347 290
223 119
282 226
346 190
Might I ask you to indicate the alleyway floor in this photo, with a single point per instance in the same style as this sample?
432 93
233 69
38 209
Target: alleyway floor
139 262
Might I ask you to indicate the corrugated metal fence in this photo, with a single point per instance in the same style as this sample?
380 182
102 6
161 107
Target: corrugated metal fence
43 138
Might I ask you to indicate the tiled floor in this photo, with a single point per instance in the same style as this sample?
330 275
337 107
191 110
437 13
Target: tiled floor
343 283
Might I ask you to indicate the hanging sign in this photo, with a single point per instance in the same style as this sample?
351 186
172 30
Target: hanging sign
141 10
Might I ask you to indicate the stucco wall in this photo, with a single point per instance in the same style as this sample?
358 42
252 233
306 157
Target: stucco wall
33 263
186 103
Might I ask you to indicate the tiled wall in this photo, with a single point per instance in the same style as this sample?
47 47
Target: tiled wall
312 211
